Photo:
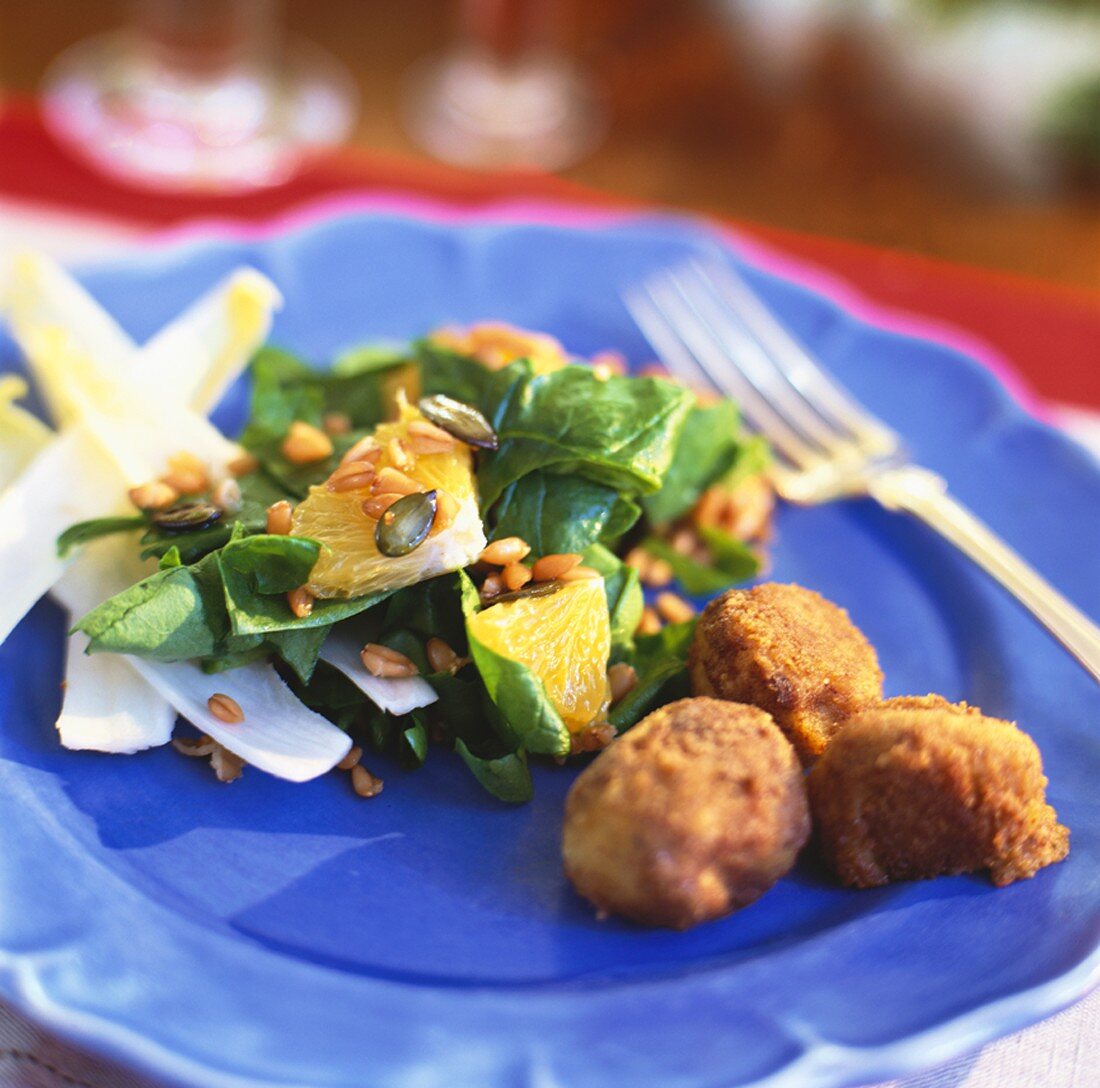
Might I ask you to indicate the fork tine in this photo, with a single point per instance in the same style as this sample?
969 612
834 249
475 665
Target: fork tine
816 386
749 357
664 340
682 341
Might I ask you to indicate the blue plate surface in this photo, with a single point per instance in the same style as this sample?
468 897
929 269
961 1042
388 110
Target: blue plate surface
268 933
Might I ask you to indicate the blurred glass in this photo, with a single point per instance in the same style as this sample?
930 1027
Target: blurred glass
1009 89
505 95
198 94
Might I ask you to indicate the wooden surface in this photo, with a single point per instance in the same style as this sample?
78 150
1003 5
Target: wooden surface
691 128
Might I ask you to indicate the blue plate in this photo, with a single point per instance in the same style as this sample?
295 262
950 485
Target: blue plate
267 933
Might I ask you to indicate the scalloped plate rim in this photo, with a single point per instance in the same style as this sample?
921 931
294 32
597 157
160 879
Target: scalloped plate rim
819 1064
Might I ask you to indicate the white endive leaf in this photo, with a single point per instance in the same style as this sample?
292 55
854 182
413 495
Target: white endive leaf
106 705
22 435
396 695
69 481
279 734
190 362
193 360
137 432
43 299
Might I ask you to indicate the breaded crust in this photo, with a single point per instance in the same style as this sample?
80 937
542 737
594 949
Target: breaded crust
695 812
931 701
906 794
790 652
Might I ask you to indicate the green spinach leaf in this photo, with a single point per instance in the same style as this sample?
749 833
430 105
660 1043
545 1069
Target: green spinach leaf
172 615
251 518
431 609
251 612
299 647
708 447
330 693
243 654
270 564
620 432
558 513
624 598
731 561
85 531
661 664
507 777
754 455
414 738
458 376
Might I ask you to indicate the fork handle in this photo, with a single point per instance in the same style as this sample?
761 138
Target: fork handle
922 493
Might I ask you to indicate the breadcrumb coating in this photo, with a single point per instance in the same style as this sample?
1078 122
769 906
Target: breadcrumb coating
696 812
921 787
789 651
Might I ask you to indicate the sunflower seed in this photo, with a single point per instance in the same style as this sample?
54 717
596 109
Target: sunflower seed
462 420
186 517
405 524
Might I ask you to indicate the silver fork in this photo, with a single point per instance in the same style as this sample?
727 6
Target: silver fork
710 329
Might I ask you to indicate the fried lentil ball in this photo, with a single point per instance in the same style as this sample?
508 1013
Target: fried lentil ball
694 813
790 652
930 701
906 794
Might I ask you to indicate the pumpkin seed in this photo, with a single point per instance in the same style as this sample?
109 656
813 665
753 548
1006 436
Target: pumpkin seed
462 420
186 517
405 524
532 589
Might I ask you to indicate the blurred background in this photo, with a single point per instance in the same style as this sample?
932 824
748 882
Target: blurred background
961 129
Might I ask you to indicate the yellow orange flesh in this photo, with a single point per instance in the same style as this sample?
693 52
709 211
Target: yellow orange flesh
564 639
495 345
350 564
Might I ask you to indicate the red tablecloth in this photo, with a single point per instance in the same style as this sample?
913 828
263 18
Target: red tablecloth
1050 334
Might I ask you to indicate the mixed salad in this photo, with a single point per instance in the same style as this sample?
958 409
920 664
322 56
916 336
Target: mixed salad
444 541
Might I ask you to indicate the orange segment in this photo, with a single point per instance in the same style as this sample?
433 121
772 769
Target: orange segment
496 344
564 639
350 564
